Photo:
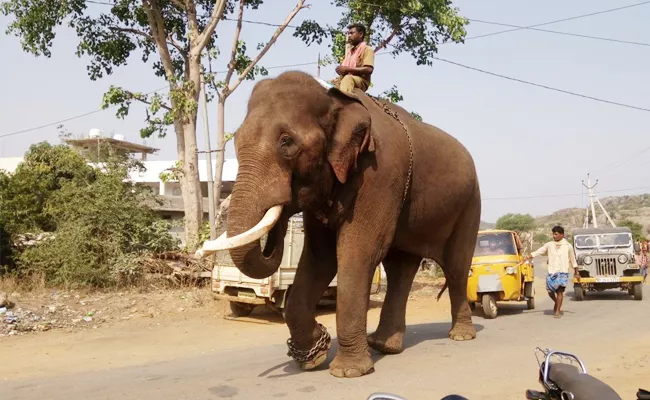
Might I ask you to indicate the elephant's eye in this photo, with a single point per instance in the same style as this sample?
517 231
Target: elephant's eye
288 146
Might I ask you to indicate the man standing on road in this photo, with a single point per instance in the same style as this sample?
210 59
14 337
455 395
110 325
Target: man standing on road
560 258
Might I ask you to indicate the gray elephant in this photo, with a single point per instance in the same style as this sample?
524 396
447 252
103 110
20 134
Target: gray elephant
374 185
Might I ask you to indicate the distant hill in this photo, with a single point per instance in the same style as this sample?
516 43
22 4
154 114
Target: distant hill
486 225
634 208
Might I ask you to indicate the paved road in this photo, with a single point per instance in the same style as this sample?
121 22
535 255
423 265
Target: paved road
499 364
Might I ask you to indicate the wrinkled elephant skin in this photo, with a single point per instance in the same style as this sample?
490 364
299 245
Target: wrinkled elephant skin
344 163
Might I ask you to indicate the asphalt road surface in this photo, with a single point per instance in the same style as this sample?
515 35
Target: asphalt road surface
608 331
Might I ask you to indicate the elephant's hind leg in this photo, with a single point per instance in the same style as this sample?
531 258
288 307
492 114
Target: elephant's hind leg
316 269
456 263
400 271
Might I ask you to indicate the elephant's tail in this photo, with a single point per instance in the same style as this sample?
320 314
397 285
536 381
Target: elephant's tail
444 287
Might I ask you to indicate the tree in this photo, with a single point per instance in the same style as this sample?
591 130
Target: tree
516 222
635 227
412 26
95 214
247 69
110 33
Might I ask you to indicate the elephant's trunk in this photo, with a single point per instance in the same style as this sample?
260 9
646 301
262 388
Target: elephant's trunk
257 203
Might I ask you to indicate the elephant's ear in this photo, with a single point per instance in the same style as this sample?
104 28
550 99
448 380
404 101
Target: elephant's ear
351 135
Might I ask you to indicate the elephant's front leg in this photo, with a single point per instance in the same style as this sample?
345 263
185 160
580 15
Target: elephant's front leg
357 260
310 342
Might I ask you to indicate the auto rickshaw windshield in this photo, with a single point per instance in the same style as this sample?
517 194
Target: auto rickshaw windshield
492 244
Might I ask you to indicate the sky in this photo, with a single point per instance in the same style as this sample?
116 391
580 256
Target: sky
532 146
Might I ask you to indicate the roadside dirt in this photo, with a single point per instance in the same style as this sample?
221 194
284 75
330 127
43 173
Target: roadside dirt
93 331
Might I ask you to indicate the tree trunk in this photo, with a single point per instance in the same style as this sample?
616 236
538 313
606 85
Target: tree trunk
221 150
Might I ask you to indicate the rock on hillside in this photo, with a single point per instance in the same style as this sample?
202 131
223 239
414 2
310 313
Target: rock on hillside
634 208
486 225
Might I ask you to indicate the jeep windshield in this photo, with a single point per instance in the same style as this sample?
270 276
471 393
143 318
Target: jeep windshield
494 244
603 241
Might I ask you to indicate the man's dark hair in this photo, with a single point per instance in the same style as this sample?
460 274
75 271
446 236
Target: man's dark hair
558 229
359 27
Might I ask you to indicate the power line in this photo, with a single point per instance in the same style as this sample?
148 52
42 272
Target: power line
112 106
541 86
561 20
437 58
561 33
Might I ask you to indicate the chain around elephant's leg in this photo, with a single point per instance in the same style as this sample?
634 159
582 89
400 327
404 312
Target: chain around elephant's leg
309 342
400 271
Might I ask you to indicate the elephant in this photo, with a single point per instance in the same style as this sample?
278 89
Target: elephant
374 185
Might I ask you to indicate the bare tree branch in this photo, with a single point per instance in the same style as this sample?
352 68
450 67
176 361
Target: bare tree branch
217 13
178 4
384 43
170 40
145 101
235 43
152 8
301 4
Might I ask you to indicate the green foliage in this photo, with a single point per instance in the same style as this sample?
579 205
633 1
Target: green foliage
516 222
419 26
25 194
96 216
541 238
635 227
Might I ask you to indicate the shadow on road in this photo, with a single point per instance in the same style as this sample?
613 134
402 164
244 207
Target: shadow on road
415 335
609 295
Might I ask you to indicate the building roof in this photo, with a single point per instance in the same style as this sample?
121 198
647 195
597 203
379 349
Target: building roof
122 144
153 169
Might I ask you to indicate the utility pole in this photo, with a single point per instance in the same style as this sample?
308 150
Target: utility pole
208 154
318 70
590 188
592 197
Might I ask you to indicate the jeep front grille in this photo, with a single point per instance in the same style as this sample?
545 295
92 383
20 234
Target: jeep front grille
606 266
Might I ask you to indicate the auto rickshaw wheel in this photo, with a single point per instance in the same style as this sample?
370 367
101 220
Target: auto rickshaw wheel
530 303
579 292
489 306
638 291
528 289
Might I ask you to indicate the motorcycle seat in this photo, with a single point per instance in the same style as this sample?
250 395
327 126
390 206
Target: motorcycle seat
583 386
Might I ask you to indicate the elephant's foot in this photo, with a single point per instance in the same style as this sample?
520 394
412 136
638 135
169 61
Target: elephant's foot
351 366
462 332
312 358
392 343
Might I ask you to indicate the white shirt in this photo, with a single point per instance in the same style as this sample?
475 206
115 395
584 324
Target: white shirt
560 256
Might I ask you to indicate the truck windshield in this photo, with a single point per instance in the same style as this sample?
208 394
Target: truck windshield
603 241
491 244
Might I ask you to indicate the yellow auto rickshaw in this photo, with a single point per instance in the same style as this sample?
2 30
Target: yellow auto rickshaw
499 272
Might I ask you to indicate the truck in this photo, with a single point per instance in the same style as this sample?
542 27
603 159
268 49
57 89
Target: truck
605 258
245 294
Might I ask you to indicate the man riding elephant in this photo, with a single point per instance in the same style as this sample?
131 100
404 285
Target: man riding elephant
374 185
358 64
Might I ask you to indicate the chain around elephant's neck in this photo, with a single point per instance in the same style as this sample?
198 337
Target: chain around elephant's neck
393 114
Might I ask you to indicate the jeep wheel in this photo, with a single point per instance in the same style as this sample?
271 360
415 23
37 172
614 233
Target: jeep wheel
638 291
579 293
489 306
240 309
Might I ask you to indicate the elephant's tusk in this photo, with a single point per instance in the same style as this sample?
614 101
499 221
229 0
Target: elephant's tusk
226 243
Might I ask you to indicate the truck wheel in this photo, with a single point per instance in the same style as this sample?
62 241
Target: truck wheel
579 292
530 303
638 291
489 306
241 309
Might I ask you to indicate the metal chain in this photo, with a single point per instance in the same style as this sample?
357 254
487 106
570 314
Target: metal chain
408 136
303 356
